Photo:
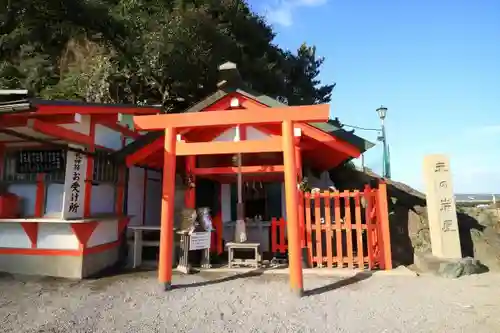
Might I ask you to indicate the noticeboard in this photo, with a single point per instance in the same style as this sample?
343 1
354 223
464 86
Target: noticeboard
40 161
199 241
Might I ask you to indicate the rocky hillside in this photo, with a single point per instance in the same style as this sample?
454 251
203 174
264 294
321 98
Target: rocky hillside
479 227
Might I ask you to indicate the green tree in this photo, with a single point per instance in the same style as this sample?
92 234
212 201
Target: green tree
303 86
34 34
147 51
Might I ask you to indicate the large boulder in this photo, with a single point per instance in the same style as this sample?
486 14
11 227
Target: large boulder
457 268
448 268
479 228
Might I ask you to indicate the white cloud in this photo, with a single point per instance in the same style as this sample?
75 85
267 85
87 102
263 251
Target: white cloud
281 11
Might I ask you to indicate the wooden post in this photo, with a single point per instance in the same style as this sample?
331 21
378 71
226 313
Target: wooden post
383 216
298 165
190 195
40 195
240 207
294 250
167 211
298 161
120 191
2 159
89 175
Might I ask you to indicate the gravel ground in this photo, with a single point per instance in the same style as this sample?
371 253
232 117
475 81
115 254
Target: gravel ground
133 302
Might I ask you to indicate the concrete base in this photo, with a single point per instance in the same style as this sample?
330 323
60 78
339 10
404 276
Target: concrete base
426 262
97 262
72 267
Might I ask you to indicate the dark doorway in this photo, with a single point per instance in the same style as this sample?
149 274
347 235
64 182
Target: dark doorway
207 195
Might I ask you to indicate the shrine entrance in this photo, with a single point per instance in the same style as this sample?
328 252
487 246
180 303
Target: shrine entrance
235 138
174 125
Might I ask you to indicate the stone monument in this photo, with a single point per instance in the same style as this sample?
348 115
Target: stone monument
441 208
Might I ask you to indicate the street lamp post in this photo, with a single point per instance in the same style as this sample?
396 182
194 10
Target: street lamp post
382 112
386 162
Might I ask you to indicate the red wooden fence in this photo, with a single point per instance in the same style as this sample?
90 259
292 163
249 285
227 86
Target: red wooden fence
341 231
278 231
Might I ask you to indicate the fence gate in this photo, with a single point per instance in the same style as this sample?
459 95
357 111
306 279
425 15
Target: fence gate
341 229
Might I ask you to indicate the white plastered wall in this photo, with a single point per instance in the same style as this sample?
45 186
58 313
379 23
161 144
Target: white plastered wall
27 194
107 137
102 199
12 235
251 134
105 232
58 236
153 198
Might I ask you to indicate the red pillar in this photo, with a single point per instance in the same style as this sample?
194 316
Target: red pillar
40 195
294 249
190 195
383 223
298 161
298 165
167 210
2 158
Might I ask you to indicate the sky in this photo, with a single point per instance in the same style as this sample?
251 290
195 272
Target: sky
434 64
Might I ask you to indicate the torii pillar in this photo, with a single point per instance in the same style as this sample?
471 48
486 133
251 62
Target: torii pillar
167 210
292 213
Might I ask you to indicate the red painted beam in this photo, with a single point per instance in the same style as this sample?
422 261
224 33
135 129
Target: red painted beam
21 120
266 177
60 132
86 109
120 128
234 170
329 140
213 148
144 152
255 115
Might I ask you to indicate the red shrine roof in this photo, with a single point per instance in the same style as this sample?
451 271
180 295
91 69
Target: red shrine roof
323 145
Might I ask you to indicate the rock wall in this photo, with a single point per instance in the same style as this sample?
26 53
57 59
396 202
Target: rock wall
479 228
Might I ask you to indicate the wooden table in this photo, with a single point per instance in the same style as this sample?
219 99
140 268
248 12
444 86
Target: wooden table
138 243
257 232
183 265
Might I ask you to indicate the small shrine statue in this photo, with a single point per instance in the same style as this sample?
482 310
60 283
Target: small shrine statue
240 230
240 234
188 220
204 218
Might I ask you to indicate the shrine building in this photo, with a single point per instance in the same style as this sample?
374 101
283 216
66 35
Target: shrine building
75 176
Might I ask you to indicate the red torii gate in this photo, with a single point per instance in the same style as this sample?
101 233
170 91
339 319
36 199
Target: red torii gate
172 124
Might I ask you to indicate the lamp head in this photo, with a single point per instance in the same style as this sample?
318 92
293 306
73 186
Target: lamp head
382 112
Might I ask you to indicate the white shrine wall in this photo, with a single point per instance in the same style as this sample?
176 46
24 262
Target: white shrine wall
102 199
12 235
136 187
153 198
27 193
107 137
